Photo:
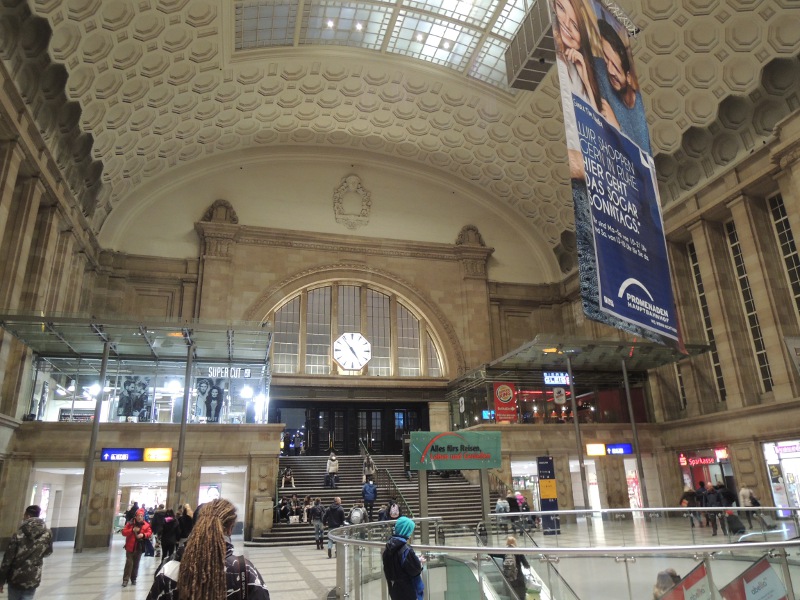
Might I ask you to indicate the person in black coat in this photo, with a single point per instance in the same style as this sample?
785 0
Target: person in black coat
170 533
333 518
713 500
513 507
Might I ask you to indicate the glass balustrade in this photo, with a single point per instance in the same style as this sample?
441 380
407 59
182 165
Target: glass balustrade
620 554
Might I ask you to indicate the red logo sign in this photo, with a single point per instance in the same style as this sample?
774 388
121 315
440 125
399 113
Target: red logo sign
505 402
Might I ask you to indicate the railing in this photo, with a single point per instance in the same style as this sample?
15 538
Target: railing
621 554
385 481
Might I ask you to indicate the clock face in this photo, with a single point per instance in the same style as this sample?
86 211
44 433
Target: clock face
352 351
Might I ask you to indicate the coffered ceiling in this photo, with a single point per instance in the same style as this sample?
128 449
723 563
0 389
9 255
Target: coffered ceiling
123 90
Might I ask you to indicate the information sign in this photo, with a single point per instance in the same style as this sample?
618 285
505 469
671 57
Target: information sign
548 495
122 455
615 449
556 378
157 454
452 450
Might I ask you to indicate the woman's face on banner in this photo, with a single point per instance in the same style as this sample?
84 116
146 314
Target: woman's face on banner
568 24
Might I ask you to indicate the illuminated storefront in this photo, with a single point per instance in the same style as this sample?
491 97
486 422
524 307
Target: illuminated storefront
783 466
711 465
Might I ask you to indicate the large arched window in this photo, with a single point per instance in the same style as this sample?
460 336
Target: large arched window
307 324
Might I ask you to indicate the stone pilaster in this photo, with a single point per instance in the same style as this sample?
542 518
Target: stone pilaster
40 260
11 157
439 416
749 468
102 505
725 309
14 478
218 242
611 470
190 481
65 246
263 475
563 482
473 255
774 305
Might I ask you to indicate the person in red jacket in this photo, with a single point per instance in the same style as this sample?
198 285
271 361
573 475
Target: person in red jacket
135 532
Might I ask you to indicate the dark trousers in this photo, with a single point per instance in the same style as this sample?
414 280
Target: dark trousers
370 506
131 565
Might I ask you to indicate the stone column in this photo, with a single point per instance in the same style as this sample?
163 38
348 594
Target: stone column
612 471
774 305
563 482
56 294
725 309
102 505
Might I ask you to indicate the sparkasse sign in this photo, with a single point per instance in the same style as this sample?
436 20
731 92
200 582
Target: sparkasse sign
451 450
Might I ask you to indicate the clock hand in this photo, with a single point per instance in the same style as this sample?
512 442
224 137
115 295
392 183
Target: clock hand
351 350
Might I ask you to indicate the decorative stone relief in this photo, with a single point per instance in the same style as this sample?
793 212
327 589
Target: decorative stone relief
352 203
470 236
221 211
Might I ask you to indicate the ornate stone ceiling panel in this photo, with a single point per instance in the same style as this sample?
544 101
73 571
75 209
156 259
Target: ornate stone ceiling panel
142 87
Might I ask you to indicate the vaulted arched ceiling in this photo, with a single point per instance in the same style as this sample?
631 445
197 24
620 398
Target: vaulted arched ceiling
125 91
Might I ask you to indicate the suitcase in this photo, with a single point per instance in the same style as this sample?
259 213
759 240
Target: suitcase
735 525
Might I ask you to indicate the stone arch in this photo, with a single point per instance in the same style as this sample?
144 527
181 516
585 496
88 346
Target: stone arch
441 329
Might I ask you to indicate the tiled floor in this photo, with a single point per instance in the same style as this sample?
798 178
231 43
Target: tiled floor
292 573
304 573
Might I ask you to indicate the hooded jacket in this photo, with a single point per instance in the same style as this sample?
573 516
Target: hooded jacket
334 516
401 565
333 465
22 562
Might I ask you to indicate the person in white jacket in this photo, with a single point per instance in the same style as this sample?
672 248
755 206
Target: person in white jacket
745 501
332 469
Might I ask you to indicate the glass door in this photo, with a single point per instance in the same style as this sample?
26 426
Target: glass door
369 430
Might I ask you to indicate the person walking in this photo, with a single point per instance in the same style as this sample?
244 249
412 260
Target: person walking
331 471
170 534
369 493
689 500
512 568
316 513
367 469
746 497
401 565
21 568
136 532
714 500
157 525
333 518
206 567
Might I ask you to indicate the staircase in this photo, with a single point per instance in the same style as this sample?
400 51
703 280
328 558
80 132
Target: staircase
453 499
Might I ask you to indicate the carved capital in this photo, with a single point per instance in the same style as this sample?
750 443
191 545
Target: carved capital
218 239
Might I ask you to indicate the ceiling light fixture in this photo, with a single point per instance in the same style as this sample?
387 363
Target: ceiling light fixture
330 24
359 27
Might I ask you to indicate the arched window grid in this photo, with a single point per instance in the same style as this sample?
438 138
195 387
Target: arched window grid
307 324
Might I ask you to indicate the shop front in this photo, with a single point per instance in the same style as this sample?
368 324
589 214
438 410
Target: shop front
783 467
710 465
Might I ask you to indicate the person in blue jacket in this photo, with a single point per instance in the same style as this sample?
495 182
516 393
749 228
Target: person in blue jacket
369 493
401 566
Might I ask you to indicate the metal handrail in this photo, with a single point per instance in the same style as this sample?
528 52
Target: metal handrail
393 491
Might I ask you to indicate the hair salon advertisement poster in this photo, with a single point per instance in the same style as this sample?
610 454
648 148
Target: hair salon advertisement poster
623 262
759 582
695 586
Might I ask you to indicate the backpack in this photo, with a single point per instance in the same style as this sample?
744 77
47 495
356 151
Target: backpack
394 511
510 570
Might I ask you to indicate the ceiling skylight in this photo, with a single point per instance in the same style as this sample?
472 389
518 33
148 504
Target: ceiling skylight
468 36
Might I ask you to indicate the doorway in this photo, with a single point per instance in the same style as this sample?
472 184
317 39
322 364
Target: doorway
370 425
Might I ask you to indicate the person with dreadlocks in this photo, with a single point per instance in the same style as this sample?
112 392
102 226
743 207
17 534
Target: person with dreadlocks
206 568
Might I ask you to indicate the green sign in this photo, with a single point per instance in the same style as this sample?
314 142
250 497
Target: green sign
450 450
